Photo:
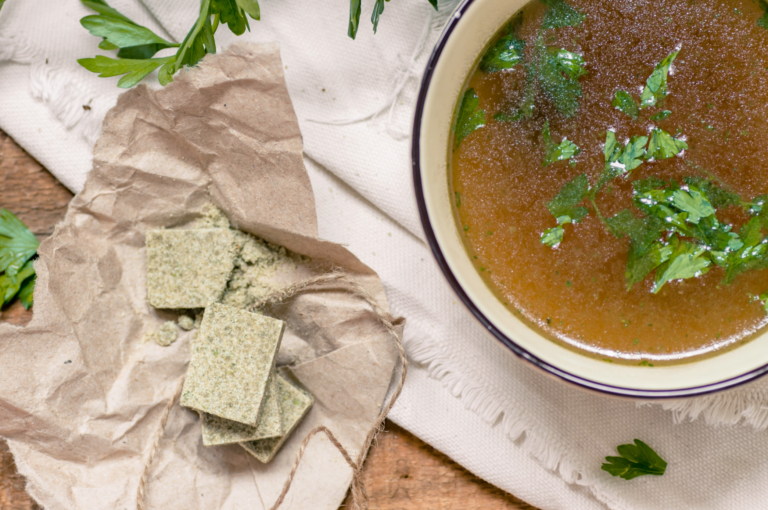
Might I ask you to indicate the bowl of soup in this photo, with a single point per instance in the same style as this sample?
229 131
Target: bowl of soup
592 179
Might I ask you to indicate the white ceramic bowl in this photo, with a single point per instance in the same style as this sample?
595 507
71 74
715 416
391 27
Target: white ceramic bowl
466 35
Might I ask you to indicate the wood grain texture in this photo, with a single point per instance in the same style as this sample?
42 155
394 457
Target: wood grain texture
401 473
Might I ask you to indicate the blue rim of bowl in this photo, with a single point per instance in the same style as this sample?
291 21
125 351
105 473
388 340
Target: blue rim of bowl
487 324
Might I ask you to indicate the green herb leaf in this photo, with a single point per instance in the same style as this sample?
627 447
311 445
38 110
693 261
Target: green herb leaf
231 14
11 284
102 7
718 196
645 185
663 145
505 54
661 116
552 237
688 260
125 34
458 199
623 101
560 14
753 254
656 85
565 150
354 18
694 202
640 265
763 21
378 9
559 70
636 460
26 293
620 160
17 243
565 202
470 117
134 70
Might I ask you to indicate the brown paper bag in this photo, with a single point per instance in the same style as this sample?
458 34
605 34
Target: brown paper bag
81 393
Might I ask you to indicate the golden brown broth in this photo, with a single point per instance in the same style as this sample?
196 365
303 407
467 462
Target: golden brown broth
576 293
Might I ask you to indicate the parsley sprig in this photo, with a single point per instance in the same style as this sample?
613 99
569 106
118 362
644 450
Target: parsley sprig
137 45
637 459
17 248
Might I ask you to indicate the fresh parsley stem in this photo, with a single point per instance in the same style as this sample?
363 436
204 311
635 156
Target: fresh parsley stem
205 9
215 22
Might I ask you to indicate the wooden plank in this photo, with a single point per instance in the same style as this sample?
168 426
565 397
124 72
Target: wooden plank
401 472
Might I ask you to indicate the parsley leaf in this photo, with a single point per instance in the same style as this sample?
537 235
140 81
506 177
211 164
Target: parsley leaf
661 115
663 145
378 9
559 71
470 117
507 52
644 185
718 196
566 150
552 237
656 85
688 260
560 14
753 254
624 102
620 160
639 266
133 40
563 206
694 202
134 70
763 21
10 285
17 247
636 460
26 294
17 243
645 252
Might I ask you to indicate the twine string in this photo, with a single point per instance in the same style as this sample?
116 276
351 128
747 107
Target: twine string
391 324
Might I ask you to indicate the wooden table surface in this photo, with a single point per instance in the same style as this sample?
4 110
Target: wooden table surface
401 473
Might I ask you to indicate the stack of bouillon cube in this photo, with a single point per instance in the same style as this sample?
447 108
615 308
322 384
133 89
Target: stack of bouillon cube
231 380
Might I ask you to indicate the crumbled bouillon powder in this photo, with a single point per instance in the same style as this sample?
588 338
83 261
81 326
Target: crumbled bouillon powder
255 266
186 322
165 335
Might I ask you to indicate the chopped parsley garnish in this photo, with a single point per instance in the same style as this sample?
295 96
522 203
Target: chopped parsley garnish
564 207
552 236
663 145
656 86
623 101
637 459
661 115
507 52
559 71
565 150
17 247
470 117
763 21
560 14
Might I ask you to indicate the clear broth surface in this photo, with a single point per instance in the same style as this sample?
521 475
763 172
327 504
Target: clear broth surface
576 294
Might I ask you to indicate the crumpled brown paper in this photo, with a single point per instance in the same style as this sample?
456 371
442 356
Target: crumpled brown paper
81 394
